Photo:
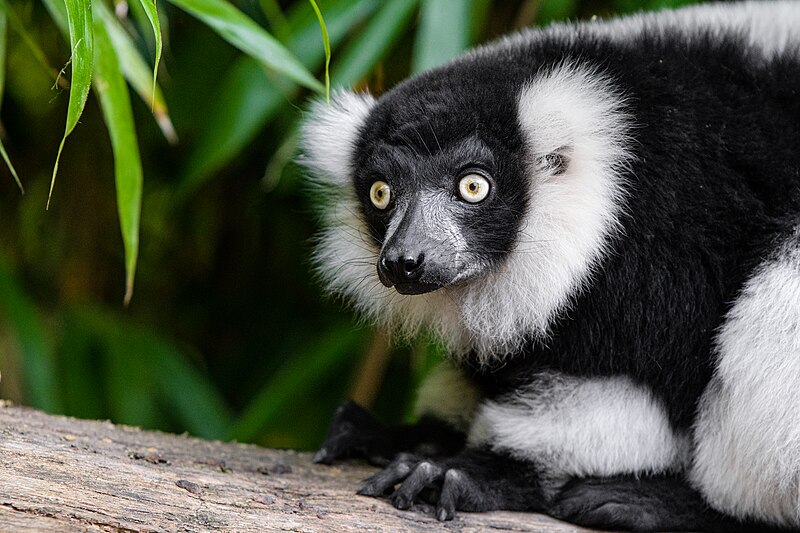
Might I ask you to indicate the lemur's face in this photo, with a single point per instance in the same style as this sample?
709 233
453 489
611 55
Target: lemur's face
442 197
470 201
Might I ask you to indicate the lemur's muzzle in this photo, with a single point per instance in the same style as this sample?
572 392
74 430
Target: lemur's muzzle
402 263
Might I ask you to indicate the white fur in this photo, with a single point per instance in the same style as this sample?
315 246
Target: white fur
564 234
447 394
582 427
328 139
345 254
747 436
769 28
571 216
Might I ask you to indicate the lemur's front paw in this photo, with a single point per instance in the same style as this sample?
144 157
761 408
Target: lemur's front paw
453 488
354 432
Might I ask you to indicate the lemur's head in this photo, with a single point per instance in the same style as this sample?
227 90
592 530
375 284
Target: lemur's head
472 200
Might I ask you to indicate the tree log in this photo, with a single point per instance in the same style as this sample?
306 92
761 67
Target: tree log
63 474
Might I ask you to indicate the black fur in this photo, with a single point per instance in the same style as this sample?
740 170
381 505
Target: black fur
713 184
649 503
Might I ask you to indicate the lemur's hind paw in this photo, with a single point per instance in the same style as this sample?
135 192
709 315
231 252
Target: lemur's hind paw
649 503
354 432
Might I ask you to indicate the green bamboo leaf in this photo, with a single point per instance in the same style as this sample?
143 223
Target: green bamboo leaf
243 33
152 15
136 71
374 41
276 19
299 374
22 318
116 106
81 39
249 99
326 43
341 16
443 33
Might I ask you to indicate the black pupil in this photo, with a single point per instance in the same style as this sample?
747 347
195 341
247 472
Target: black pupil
473 187
379 194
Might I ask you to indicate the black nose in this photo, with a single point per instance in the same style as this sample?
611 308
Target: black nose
402 267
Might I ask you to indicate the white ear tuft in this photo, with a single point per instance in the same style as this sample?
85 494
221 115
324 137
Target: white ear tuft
329 135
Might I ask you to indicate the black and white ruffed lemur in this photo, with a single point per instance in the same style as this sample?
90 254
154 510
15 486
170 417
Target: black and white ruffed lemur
601 221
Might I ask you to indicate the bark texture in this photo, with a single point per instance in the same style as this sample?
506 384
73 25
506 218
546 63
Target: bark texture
63 474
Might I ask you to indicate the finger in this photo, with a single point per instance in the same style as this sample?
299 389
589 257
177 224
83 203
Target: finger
341 439
423 475
452 490
388 477
460 493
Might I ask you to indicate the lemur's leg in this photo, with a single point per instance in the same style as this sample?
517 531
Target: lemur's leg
747 435
556 428
446 404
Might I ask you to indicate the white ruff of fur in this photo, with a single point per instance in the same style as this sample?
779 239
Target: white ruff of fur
564 234
747 435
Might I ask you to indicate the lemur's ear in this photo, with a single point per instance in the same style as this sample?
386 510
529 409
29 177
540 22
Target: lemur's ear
329 135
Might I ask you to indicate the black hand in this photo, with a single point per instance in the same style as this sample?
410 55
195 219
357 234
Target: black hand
354 432
474 480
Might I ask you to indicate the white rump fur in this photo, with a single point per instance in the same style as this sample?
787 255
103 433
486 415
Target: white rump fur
583 427
565 231
747 436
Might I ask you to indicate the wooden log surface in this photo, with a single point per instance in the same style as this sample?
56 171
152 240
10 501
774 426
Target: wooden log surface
63 474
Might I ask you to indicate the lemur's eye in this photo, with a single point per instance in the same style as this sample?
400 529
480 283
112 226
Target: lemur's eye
473 188
380 194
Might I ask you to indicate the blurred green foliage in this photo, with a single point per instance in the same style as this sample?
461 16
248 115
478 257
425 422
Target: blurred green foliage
227 335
